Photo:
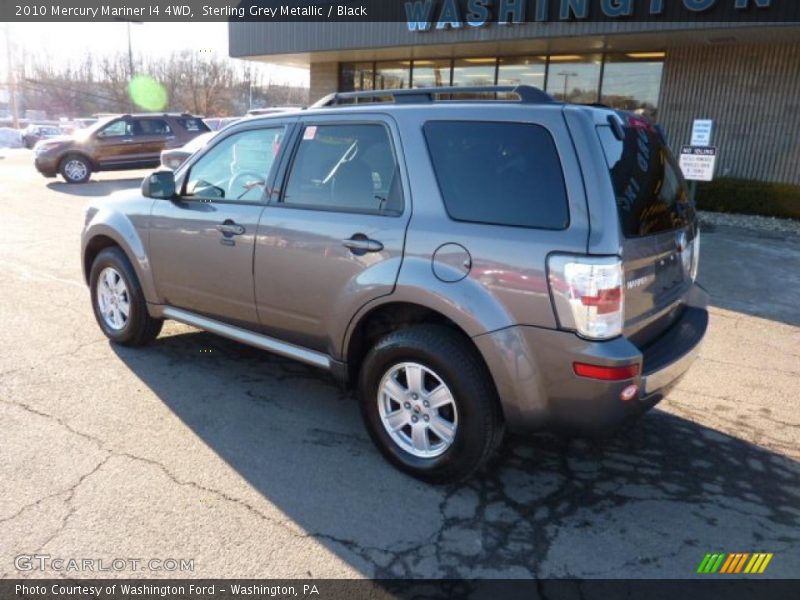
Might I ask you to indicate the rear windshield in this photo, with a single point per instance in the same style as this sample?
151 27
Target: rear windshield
192 124
498 173
651 193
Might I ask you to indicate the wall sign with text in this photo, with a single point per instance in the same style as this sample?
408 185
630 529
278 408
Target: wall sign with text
698 162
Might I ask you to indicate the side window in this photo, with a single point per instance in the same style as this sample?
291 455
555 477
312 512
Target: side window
498 173
150 127
116 129
345 167
237 168
192 124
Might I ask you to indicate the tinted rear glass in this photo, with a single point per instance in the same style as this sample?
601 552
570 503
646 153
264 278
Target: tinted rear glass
498 173
192 124
651 193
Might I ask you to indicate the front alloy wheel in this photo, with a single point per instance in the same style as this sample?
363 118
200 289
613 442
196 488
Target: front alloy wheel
113 299
118 302
75 169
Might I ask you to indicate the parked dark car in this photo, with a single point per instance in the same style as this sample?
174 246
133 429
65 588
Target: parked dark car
172 159
217 123
469 266
116 143
35 133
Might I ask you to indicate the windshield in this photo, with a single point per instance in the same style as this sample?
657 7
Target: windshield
198 142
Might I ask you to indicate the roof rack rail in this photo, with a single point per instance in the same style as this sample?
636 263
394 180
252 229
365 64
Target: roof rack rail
527 94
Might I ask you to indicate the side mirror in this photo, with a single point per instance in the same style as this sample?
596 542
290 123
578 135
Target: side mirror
159 184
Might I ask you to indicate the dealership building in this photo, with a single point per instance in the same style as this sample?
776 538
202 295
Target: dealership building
743 76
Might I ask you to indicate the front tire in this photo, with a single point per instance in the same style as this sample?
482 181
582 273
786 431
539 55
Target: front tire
118 302
75 169
429 403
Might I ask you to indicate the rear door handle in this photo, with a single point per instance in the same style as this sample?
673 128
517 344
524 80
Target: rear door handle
229 228
360 244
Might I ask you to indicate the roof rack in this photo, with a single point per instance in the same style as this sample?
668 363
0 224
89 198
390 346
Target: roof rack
527 94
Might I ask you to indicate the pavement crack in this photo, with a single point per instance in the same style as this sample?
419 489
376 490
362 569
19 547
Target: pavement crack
26 407
70 496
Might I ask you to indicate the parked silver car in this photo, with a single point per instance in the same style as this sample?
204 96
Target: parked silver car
174 157
470 265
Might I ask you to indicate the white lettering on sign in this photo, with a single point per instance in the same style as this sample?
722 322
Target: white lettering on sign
698 162
701 132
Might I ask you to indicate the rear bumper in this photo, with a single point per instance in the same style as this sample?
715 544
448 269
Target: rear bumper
668 358
533 371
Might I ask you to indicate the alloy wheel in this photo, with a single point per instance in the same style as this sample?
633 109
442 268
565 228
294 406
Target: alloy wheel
113 299
75 169
417 410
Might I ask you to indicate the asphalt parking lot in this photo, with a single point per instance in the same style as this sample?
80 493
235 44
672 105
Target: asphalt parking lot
253 466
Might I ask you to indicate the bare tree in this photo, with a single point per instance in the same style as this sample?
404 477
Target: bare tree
201 85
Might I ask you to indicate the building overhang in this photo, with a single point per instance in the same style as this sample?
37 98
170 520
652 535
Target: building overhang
307 48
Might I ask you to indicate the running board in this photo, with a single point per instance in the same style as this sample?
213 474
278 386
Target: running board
311 357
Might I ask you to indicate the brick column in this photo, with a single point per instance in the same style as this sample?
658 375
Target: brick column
324 78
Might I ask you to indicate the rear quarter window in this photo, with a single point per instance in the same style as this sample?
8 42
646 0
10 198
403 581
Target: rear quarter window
192 124
498 173
651 194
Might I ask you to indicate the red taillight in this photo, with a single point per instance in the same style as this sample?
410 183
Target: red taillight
588 294
605 373
606 301
640 123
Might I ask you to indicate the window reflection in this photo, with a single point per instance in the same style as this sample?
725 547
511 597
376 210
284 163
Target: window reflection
392 75
633 81
526 70
474 71
356 77
431 73
574 78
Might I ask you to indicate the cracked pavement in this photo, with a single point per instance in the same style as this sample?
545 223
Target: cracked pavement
254 466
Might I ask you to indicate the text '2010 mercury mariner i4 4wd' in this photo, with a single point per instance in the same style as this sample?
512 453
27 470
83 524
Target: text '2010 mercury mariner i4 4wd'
471 265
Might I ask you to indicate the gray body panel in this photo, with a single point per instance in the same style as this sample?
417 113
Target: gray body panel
197 268
287 284
307 283
507 282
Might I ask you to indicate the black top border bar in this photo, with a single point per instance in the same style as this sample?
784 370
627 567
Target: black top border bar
418 15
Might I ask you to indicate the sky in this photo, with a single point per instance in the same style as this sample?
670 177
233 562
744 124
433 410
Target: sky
66 41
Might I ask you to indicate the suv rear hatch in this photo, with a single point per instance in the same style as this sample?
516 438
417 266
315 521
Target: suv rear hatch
658 224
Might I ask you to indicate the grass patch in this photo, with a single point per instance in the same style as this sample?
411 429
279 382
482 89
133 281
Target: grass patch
743 196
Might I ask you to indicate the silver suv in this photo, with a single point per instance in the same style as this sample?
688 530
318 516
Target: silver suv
504 260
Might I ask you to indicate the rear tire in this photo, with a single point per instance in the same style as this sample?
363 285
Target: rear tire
75 168
429 379
118 302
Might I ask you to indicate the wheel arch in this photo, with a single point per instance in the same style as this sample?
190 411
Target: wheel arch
93 247
389 316
110 228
